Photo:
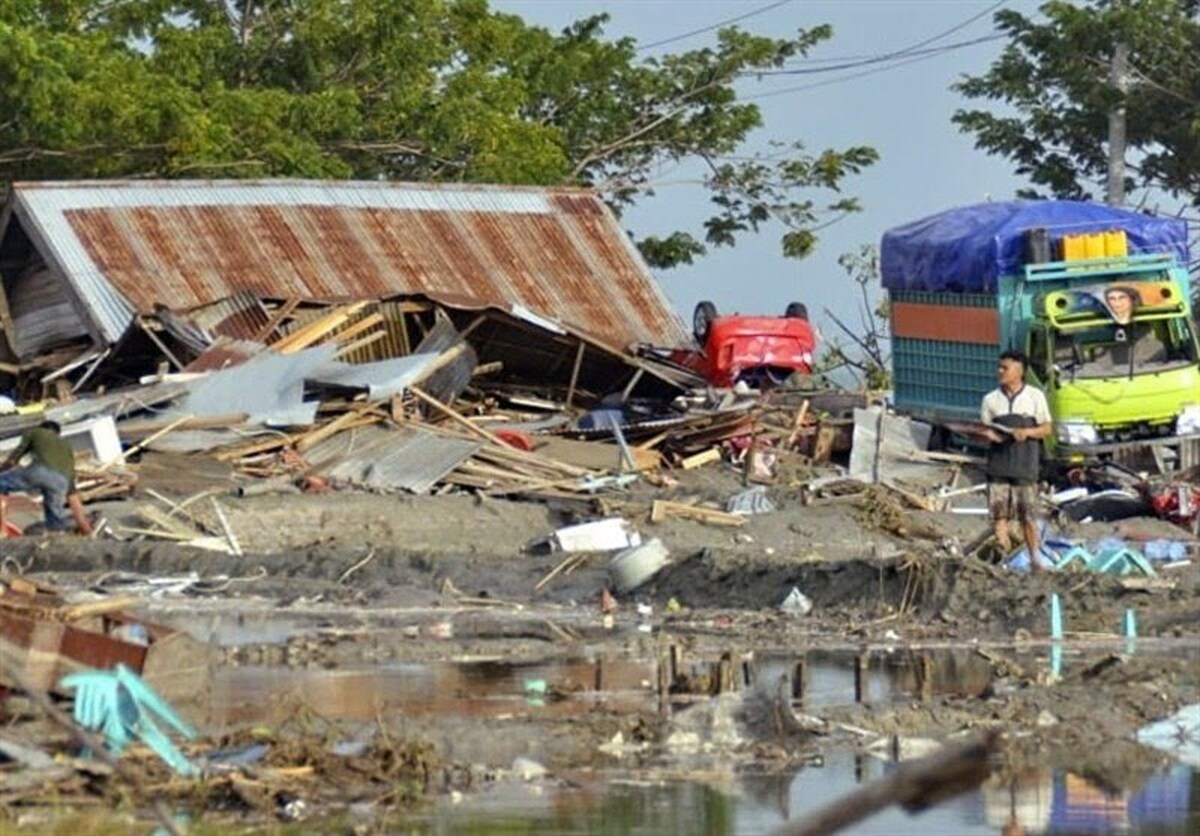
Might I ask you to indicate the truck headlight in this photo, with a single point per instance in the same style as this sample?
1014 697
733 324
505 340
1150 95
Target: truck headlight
1188 421
1076 432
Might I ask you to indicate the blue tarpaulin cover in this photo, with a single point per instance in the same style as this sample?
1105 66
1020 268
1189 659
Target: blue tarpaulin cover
967 250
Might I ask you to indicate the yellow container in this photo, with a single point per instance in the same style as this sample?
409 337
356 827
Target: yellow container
1109 244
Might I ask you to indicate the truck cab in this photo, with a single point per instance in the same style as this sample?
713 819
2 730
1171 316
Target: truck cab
1098 298
1112 343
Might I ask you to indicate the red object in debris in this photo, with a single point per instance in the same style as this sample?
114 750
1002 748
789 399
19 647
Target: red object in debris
516 438
1179 503
316 484
607 602
761 350
11 529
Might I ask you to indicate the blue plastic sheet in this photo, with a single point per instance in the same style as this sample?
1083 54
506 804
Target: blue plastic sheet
968 250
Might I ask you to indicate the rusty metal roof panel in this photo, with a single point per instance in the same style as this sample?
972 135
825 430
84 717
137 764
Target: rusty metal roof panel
559 253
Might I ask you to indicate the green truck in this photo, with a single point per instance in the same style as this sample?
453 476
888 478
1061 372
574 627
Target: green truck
1098 298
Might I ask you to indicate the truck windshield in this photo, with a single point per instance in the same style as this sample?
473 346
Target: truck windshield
1111 350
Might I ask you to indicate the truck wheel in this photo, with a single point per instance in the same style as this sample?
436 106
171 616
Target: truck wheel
702 319
796 310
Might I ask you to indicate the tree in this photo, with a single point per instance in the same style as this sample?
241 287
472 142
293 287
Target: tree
416 90
865 358
1053 87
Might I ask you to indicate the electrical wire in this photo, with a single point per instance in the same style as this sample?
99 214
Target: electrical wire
879 69
717 25
879 59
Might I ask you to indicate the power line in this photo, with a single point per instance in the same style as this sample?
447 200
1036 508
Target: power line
898 58
713 26
878 59
923 55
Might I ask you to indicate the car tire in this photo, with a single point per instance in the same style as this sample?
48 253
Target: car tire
796 310
702 319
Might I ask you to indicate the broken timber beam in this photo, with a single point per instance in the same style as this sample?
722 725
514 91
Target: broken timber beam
663 510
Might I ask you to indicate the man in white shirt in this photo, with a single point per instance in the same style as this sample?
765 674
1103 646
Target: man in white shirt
1014 456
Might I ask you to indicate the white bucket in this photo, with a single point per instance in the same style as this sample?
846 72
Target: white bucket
638 564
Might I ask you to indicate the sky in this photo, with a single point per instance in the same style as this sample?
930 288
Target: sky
925 164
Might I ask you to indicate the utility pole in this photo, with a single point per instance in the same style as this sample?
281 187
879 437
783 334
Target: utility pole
1119 78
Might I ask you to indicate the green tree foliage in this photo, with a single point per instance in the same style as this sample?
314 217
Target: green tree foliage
415 90
1052 91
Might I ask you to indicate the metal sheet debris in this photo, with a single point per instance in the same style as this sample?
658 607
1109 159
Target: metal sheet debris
268 389
403 459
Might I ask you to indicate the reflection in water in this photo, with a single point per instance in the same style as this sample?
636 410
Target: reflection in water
1027 803
1032 803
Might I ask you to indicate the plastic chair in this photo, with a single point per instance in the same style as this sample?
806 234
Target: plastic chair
121 707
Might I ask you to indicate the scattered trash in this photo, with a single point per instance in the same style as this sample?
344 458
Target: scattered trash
636 565
535 692
608 603
1111 556
1045 719
796 603
598 536
1177 735
751 501
526 769
122 708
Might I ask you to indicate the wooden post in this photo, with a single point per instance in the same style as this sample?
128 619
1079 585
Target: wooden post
633 381
799 684
926 677
861 667
676 662
664 681
575 372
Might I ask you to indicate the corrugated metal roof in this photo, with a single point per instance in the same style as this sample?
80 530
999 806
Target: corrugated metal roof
558 253
401 459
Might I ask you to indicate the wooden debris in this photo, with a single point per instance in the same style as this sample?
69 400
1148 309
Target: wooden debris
712 454
662 510
314 332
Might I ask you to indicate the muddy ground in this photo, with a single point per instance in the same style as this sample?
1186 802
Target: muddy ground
359 580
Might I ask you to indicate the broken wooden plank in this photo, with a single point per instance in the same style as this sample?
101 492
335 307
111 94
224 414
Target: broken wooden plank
663 509
150 439
594 455
712 454
317 330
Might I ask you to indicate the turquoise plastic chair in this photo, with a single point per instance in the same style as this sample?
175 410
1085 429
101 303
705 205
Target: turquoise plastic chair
122 708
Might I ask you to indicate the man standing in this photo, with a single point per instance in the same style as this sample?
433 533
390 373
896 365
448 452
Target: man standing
50 473
1014 457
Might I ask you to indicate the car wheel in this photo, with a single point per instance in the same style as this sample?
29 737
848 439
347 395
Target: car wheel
796 310
702 320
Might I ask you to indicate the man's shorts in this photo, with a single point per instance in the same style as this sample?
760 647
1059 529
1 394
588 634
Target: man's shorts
1007 501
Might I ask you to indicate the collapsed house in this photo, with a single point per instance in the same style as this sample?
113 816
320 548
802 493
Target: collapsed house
99 276
344 330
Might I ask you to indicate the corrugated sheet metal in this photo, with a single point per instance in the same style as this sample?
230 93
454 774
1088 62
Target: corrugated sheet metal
380 380
557 252
240 317
402 459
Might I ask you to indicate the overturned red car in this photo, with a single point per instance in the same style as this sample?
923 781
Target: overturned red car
759 350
